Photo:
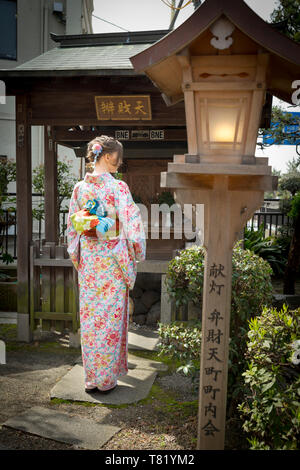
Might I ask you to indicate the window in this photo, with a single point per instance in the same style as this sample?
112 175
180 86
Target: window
8 29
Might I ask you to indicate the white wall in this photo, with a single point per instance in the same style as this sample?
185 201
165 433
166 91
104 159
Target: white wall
34 23
74 16
7 128
79 16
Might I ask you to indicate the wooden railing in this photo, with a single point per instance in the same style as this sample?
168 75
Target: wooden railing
54 300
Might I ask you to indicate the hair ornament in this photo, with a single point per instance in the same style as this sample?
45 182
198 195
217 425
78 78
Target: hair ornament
96 149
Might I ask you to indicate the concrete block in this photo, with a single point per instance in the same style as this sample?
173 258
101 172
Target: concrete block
132 387
62 427
74 339
23 326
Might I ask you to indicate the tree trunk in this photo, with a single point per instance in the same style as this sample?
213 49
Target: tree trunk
293 261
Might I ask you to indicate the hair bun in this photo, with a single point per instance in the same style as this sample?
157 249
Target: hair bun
101 145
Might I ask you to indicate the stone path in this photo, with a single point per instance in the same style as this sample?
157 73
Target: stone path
132 387
142 338
84 433
62 427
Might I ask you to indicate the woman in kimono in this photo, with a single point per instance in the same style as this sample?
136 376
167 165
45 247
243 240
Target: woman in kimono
107 266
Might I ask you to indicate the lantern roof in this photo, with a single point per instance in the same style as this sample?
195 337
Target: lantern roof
251 35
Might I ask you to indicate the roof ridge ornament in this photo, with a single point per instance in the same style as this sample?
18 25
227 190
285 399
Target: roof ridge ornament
222 29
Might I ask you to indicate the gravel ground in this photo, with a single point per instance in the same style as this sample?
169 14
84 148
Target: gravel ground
161 423
181 385
31 372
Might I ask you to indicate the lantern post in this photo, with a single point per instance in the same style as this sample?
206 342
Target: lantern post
215 64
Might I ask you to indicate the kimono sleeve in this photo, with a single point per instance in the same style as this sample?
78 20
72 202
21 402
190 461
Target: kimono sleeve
131 219
73 237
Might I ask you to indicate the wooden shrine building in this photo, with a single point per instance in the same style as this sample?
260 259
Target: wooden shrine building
83 88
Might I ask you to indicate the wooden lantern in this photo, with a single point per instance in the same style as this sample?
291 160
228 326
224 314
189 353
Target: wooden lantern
224 96
222 61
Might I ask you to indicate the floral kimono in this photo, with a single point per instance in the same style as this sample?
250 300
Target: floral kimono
107 269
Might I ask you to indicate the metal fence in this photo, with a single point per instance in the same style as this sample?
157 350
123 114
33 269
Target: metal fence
271 221
269 215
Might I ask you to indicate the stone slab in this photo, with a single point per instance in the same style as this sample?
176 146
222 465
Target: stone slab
152 266
9 318
132 387
9 315
62 427
143 339
8 321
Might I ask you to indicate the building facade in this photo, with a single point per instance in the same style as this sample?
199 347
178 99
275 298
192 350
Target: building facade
25 27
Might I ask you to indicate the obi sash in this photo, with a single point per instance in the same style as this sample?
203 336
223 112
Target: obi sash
91 222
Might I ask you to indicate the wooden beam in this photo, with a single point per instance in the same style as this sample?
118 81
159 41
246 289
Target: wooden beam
180 180
53 262
53 316
219 169
51 210
203 86
257 104
72 108
235 182
24 215
64 135
159 122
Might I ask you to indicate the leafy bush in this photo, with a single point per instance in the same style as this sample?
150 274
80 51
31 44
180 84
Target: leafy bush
137 199
7 175
290 183
271 406
251 291
166 197
65 183
295 206
251 282
7 203
268 248
182 341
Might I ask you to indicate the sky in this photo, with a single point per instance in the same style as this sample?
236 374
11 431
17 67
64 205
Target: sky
142 15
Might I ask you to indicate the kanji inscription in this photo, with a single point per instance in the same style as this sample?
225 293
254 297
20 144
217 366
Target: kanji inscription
123 107
213 335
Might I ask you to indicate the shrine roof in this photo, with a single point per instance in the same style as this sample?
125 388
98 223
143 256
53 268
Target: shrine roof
90 54
252 35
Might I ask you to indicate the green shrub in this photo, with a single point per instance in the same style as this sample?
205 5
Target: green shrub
251 291
267 248
8 203
295 206
271 406
182 341
65 184
251 282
